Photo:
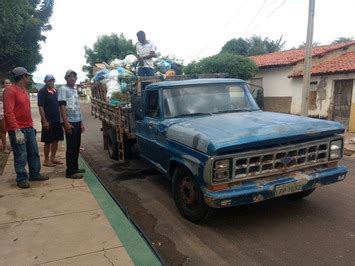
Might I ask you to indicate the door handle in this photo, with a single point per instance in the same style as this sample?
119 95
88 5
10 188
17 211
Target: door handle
150 125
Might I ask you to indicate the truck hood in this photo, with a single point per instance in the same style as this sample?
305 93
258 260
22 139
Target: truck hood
221 133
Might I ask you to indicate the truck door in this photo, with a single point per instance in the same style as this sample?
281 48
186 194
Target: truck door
147 128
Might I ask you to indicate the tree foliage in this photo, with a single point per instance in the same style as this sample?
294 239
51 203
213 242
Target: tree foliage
107 48
342 39
22 23
303 45
255 45
236 66
237 46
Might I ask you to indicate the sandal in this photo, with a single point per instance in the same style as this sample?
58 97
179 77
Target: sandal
48 164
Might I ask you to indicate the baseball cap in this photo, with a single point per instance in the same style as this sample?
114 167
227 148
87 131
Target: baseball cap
19 71
69 72
49 77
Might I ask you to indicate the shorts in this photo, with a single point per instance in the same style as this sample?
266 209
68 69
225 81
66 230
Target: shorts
54 133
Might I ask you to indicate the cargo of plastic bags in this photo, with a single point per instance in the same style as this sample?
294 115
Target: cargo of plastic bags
100 75
129 60
112 84
115 63
122 72
163 66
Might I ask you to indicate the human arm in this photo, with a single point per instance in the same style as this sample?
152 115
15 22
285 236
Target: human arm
62 101
40 103
147 52
44 121
63 115
82 127
9 98
9 115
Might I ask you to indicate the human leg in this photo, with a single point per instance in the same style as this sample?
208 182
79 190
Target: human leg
72 152
57 132
54 148
34 162
47 162
3 136
20 159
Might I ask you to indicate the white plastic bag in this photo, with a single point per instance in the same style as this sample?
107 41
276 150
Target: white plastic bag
112 84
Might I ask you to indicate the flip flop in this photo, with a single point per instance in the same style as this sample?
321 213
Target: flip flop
57 162
48 164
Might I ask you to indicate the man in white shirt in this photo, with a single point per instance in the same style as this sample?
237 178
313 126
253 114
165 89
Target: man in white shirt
146 50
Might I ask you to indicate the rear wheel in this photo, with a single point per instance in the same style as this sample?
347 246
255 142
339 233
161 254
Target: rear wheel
189 197
300 195
112 145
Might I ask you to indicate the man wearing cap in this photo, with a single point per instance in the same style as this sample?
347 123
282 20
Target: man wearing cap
52 130
73 123
18 122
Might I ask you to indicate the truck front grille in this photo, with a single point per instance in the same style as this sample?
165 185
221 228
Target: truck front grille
280 160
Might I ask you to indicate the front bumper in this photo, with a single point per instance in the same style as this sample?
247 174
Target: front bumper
251 191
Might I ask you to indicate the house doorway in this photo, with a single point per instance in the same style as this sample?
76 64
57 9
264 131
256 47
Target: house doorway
343 90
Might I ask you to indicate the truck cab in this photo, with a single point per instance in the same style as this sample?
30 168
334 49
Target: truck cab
220 149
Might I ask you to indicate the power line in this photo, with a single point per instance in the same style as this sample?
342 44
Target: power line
256 15
277 8
272 12
226 25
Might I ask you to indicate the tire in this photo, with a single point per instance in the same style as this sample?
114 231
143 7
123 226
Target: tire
300 195
189 198
112 145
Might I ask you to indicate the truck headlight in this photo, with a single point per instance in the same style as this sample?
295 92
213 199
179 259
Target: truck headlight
336 149
221 171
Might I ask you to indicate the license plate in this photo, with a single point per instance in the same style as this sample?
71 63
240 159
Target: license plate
289 188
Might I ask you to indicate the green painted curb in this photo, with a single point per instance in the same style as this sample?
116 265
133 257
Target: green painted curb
136 247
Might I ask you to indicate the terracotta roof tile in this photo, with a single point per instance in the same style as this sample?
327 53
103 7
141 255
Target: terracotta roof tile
344 63
291 57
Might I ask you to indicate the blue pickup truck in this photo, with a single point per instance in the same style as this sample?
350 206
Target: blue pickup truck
219 148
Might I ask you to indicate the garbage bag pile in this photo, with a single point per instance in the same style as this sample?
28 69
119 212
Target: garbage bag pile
118 71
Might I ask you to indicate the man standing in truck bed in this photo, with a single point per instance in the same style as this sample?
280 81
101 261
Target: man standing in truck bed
146 50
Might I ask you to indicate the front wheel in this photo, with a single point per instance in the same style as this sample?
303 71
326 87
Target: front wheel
189 198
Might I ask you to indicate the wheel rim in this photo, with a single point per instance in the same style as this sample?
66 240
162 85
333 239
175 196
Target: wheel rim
190 194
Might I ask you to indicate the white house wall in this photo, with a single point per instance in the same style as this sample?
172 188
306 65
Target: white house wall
324 101
277 88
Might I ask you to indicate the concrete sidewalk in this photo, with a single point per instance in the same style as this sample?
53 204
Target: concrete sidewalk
65 222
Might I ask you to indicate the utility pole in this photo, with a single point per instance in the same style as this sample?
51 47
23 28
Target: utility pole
308 59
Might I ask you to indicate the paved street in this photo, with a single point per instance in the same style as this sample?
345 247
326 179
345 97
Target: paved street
319 230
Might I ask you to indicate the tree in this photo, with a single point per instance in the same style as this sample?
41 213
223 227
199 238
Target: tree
22 23
107 48
255 45
274 46
236 66
342 39
236 46
303 45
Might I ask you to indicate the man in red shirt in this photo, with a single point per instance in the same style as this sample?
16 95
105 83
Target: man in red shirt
18 121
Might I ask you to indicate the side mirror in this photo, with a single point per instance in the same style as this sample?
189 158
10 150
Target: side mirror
258 94
137 105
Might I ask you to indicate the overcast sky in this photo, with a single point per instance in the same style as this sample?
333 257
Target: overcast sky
188 29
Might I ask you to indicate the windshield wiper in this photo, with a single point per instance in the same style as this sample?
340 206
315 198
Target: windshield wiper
192 114
236 111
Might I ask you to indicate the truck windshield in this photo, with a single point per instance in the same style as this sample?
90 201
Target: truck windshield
207 99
